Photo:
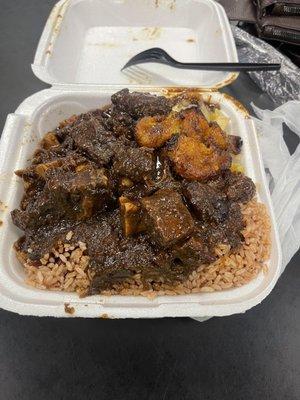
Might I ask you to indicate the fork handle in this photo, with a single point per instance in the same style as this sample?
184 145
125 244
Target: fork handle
236 67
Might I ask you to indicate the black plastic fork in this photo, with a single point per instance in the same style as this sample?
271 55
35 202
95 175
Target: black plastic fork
158 55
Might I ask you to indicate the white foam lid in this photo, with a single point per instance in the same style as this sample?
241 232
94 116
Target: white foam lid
88 42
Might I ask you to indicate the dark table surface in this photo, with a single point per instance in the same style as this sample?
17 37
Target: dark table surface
251 356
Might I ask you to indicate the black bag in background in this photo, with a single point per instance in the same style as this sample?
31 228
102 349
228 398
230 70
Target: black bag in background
279 8
275 21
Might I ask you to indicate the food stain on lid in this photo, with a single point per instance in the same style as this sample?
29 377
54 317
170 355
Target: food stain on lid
48 51
238 105
29 135
151 33
104 316
171 4
3 207
68 309
232 77
104 44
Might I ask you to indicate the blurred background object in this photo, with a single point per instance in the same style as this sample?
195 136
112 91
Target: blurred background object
269 31
281 86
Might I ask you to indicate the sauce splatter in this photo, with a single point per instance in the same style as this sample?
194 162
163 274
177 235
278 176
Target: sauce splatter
68 309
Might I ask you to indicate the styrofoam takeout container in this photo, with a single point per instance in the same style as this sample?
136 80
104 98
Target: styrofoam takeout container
80 53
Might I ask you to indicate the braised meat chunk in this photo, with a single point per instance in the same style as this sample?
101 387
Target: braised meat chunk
113 257
69 191
134 163
235 144
129 257
81 192
39 211
167 218
207 203
67 127
229 232
119 123
240 188
139 105
92 140
231 229
193 252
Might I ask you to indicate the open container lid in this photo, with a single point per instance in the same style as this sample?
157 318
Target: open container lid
89 41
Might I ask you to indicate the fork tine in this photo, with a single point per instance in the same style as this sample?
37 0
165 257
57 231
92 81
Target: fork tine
144 57
137 61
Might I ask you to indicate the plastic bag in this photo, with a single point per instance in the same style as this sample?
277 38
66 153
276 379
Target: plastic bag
281 86
283 171
282 168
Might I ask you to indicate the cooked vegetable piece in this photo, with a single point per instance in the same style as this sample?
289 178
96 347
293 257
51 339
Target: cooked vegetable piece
155 131
236 167
41 169
131 216
193 160
219 117
194 124
215 137
139 105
